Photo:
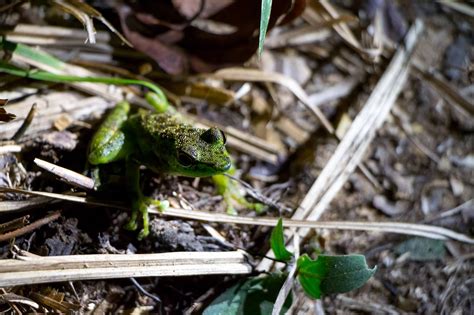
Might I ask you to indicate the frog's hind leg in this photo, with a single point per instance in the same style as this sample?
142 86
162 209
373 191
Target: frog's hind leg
140 203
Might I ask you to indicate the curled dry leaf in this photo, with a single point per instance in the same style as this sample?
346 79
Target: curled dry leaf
4 115
197 34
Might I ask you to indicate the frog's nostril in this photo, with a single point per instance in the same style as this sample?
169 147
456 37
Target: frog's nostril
225 165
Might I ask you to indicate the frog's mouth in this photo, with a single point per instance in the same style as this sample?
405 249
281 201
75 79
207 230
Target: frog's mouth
213 169
206 169
224 166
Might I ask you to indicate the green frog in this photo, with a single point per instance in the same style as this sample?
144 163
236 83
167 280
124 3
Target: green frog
163 143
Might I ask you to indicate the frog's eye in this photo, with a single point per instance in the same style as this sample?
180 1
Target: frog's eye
212 135
223 136
185 159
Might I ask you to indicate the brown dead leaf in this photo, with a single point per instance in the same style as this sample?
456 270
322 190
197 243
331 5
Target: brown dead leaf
182 35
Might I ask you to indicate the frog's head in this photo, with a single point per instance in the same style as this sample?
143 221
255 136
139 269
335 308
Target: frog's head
200 153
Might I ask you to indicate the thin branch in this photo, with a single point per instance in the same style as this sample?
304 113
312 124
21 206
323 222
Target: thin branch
31 227
26 123
70 177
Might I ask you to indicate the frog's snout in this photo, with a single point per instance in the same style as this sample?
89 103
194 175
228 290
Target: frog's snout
225 165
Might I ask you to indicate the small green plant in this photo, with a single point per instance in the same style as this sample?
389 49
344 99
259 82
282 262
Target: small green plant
327 274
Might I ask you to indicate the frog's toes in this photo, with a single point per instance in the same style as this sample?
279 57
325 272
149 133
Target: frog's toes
143 233
131 225
230 209
162 204
259 208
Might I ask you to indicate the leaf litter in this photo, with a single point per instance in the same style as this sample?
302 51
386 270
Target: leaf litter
414 186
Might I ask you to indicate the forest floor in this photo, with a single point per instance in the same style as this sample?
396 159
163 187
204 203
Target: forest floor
420 161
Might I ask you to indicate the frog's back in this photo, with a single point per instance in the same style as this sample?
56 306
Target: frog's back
160 127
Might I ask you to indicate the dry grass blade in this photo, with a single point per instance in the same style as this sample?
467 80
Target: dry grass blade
324 9
458 6
84 13
428 231
56 302
12 206
32 270
56 34
306 34
301 36
64 197
79 15
215 95
288 284
15 298
444 214
332 93
49 108
446 91
59 40
254 75
96 14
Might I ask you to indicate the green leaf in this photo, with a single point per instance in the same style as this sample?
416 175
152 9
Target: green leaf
277 242
332 274
264 19
422 249
254 295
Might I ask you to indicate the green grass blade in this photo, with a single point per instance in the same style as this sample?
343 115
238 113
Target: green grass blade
264 19
159 101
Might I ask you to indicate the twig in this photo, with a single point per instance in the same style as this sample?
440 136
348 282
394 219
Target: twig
11 5
145 292
66 175
14 224
11 148
26 123
31 227
450 212
407 130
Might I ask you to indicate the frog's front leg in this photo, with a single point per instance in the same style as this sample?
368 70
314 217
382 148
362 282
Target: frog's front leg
140 203
230 191
110 143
